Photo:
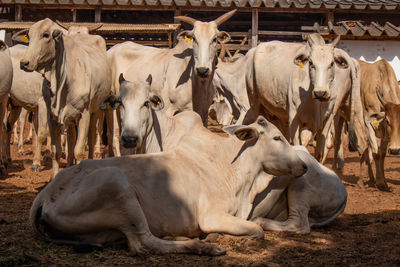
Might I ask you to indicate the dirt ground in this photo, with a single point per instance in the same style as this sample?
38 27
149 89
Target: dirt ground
367 233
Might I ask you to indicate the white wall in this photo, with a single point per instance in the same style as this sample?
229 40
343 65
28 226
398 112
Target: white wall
372 51
2 35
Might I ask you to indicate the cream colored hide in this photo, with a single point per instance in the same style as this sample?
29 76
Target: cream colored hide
314 199
223 171
79 76
27 92
145 128
182 75
6 76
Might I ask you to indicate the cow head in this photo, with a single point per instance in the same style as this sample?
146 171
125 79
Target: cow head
41 51
269 147
387 123
320 60
205 37
136 106
74 29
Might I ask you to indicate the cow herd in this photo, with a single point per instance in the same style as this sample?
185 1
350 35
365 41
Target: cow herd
185 181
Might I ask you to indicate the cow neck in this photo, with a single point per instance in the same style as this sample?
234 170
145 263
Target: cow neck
248 172
58 76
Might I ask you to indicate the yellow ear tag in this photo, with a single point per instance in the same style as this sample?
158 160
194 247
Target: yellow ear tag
108 107
158 102
25 39
187 39
300 64
376 122
343 63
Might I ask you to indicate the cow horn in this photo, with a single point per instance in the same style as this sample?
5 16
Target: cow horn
315 39
188 20
336 41
62 25
95 27
380 98
225 17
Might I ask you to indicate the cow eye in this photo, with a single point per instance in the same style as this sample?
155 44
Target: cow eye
146 104
277 138
332 64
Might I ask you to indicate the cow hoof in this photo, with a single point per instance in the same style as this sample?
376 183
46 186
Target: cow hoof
20 153
36 168
212 250
98 155
383 187
211 238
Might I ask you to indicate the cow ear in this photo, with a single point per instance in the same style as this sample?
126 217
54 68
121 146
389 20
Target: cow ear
341 59
244 133
110 103
57 34
223 37
156 102
149 79
121 78
21 36
3 45
300 60
376 119
185 35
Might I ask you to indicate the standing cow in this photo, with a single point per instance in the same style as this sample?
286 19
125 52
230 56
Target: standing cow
181 75
6 76
79 76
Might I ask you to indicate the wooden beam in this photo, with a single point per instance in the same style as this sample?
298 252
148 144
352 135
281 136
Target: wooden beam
18 13
254 27
97 15
329 17
74 15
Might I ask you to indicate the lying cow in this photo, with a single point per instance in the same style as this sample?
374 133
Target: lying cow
79 76
145 128
148 196
6 76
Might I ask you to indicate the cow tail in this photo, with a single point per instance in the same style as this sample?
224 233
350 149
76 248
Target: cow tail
355 105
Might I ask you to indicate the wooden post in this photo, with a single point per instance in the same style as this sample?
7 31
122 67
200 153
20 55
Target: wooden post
254 27
18 13
170 39
177 12
74 15
329 17
97 15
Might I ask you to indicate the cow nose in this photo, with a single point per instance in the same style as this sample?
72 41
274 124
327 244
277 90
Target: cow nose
320 94
24 65
202 71
129 141
394 151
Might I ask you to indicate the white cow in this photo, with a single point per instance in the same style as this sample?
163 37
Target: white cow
182 75
207 184
6 76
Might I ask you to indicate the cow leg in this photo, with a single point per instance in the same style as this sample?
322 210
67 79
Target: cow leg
366 158
55 137
338 162
112 197
37 145
96 118
22 120
228 224
3 132
83 131
305 137
12 118
99 131
71 142
116 133
110 133
380 167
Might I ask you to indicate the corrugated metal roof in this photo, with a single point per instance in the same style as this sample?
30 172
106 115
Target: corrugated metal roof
106 27
358 29
328 4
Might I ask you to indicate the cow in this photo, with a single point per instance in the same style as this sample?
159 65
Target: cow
76 67
182 75
380 96
27 92
224 170
6 76
145 128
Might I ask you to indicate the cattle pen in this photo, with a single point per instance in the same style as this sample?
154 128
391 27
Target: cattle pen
367 233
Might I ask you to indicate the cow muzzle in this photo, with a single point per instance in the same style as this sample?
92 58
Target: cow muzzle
297 172
394 151
129 141
203 71
24 65
321 94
